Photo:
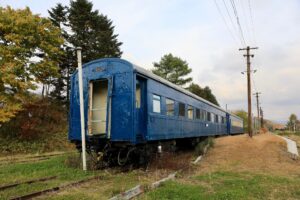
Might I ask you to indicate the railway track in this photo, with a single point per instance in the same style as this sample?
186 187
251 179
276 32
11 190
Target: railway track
4 187
150 175
54 189
140 189
26 159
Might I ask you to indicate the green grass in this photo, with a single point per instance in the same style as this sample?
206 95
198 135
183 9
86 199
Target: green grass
287 133
55 166
110 184
230 185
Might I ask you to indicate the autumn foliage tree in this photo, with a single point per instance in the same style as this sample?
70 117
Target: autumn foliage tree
29 48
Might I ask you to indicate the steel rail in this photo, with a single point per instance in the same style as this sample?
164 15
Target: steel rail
26 182
54 189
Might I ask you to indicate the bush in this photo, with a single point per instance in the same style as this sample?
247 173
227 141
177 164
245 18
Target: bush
41 126
200 147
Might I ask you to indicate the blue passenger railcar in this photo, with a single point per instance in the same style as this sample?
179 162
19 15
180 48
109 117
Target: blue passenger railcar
127 106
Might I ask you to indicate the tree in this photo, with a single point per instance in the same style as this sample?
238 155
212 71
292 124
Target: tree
205 93
81 26
292 123
28 56
173 69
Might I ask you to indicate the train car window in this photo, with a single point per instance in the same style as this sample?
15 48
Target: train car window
190 112
181 109
223 120
156 104
212 117
216 119
203 115
137 95
208 116
170 107
198 113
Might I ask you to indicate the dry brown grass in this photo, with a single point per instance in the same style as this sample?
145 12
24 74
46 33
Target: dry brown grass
264 153
171 161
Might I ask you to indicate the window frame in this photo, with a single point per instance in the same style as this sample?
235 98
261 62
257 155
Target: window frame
216 119
179 113
167 111
198 111
190 108
208 116
154 99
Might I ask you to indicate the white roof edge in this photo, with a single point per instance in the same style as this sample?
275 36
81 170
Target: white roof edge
176 87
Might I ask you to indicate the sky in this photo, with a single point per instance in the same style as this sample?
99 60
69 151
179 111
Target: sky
196 31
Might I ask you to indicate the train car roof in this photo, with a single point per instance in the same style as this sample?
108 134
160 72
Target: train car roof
149 74
172 85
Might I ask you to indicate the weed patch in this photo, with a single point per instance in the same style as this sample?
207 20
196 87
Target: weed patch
206 143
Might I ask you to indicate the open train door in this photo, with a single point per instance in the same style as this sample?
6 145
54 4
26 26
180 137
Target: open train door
99 112
140 108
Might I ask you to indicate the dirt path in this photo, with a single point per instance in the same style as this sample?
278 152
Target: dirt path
263 153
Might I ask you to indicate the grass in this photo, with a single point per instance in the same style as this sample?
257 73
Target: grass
55 166
55 142
110 184
230 185
288 133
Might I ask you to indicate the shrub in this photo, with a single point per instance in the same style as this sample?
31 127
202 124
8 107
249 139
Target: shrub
200 147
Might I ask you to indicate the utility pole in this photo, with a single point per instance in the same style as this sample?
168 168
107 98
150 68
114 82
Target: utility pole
248 56
257 103
262 117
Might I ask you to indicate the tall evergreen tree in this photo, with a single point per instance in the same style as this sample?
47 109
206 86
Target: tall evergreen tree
81 26
205 93
174 69
58 16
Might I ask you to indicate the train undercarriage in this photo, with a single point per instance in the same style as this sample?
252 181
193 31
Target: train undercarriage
106 154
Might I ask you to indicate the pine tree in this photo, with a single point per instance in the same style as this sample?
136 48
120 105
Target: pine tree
81 26
173 69
58 16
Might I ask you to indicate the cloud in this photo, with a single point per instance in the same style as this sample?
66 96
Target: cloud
194 31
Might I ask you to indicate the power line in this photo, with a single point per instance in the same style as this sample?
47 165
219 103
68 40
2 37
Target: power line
231 20
247 22
224 20
237 20
251 18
